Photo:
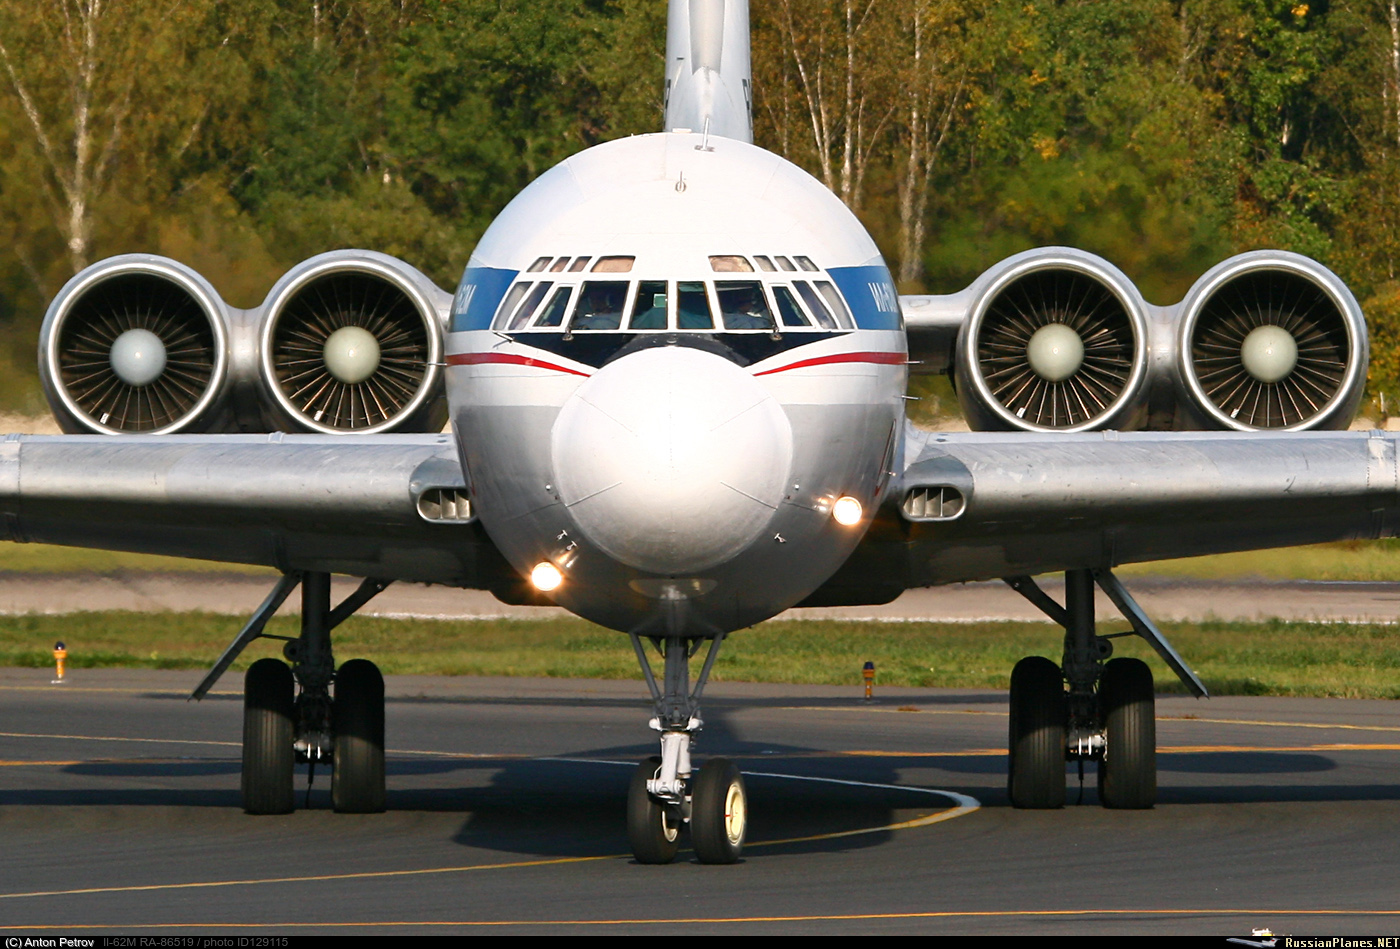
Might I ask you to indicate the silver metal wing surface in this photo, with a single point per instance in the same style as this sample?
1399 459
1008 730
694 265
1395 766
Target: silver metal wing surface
393 507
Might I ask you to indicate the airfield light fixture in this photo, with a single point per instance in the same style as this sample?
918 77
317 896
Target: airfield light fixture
546 577
847 511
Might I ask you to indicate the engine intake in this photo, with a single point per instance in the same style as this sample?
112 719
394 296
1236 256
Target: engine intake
351 341
1056 340
1272 341
135 344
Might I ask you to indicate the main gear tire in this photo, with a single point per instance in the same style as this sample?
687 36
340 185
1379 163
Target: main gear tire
357 764
1036 740
268 756
1127 702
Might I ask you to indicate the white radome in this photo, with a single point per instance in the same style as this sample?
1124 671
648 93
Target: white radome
351 354
1269 353
137 357
1055 352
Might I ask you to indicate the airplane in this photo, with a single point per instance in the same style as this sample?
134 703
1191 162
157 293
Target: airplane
675 372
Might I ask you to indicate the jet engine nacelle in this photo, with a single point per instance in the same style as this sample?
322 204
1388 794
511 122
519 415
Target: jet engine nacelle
349 341
137 343
1055 339
1270 341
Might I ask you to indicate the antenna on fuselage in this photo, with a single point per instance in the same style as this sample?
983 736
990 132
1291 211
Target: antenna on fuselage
709 84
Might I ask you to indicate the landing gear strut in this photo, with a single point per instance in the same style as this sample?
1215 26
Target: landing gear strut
291 714
1107 713
664 795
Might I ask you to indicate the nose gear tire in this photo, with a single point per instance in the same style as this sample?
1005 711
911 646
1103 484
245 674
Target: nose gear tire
653 827
267 738
1036 765
719 812
357 774
1128 771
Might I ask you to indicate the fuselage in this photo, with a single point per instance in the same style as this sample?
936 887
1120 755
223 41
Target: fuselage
668 357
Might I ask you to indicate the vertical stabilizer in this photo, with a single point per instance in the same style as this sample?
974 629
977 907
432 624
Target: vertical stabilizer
708 82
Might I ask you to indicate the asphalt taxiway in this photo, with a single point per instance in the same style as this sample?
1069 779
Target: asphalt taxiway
119 810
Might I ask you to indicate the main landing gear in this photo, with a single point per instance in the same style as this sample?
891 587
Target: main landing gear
1105 715
666 795
309 712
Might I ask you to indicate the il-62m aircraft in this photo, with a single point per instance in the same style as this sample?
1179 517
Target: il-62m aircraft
675 370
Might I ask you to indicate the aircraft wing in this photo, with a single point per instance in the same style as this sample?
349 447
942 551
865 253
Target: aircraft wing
392 507
979 506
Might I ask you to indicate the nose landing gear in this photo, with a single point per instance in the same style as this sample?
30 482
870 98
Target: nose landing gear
664 795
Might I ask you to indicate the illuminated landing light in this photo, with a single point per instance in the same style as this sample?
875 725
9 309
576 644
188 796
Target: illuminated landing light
1269 353
847 511
546 577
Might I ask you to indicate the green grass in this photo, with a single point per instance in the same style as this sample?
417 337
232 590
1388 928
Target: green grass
1276 658
46 558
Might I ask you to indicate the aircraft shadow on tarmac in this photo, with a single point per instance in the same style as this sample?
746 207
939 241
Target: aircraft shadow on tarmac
557 807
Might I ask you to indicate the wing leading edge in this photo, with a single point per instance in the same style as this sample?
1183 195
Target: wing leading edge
387 506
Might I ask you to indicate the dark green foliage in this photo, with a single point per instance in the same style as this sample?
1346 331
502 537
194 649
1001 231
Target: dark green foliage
1163 134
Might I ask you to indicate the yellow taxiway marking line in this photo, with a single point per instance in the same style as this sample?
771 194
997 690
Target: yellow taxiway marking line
1246 721
692 920
910 710
152 741
59 690
962 804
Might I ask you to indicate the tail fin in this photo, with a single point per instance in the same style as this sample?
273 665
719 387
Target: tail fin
709 87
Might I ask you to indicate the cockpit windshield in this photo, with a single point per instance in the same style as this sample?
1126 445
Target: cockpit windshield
776 293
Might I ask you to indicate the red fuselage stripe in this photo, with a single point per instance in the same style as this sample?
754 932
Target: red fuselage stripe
477 359
884 359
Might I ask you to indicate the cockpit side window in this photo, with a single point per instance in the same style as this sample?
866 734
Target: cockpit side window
527 307
693 306
743 305
553 313
600 305
788 307
814 303
649 312
509 304
838 305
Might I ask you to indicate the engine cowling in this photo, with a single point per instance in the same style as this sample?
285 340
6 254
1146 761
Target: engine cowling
136 344
351 341
1271 340
1055 340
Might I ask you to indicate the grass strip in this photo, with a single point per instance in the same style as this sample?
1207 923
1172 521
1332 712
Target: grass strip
1271 658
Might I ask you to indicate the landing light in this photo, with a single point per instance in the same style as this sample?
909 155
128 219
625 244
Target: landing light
847 511
546 577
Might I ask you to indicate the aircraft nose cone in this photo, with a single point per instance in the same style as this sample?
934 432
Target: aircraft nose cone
672 460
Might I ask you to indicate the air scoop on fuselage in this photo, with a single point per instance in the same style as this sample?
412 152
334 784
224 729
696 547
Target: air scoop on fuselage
671 460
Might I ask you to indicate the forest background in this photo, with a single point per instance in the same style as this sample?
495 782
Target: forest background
241 136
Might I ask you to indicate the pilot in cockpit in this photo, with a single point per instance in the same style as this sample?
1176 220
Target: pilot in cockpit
744 306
